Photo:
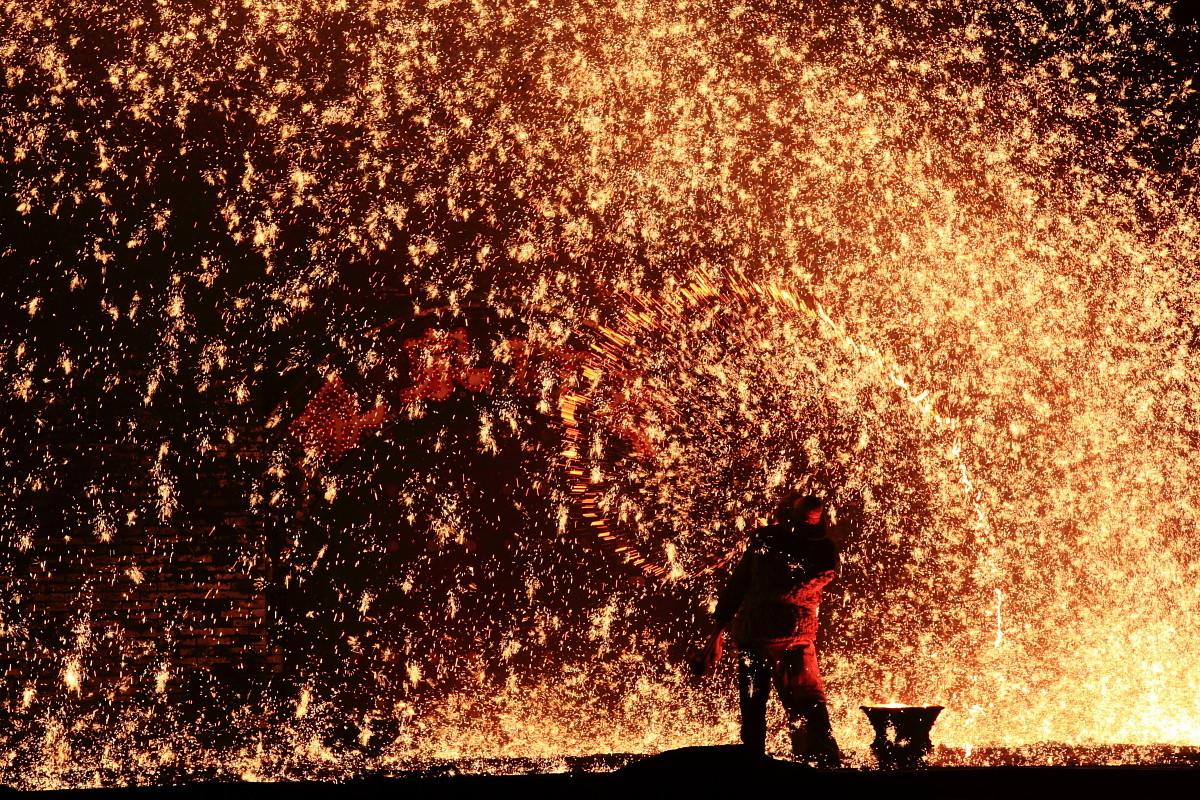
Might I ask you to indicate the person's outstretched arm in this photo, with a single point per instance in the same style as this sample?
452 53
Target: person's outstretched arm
729 599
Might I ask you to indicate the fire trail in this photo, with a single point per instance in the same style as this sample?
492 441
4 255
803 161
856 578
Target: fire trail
389 382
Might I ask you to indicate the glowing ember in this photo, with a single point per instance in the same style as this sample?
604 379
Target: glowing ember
409 371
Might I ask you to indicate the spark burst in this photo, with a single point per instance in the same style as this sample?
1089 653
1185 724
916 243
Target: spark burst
358 258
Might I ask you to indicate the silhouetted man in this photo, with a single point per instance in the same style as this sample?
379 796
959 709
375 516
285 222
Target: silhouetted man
770 607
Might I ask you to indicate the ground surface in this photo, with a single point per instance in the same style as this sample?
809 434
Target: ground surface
715 771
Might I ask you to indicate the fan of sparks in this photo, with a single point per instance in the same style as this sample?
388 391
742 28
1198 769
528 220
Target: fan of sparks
936 262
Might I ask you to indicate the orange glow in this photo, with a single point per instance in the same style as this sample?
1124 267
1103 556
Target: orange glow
923 259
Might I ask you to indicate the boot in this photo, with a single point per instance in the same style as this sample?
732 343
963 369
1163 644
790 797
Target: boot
814 742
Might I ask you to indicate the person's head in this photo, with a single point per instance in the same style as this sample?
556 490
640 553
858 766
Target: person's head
797 508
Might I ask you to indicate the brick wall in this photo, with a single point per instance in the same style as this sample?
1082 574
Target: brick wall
108 595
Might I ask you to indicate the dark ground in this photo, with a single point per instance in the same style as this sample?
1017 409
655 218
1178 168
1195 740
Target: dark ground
714 771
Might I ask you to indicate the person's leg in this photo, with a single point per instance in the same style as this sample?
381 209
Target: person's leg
802 693
820 746
754 688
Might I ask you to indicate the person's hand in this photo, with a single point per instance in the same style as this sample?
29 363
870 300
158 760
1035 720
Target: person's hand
708 657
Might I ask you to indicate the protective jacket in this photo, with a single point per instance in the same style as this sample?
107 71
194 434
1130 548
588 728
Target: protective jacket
771 601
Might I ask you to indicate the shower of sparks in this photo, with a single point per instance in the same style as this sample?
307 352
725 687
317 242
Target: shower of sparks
505 321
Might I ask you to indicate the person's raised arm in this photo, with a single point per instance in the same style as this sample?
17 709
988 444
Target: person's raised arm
824 569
